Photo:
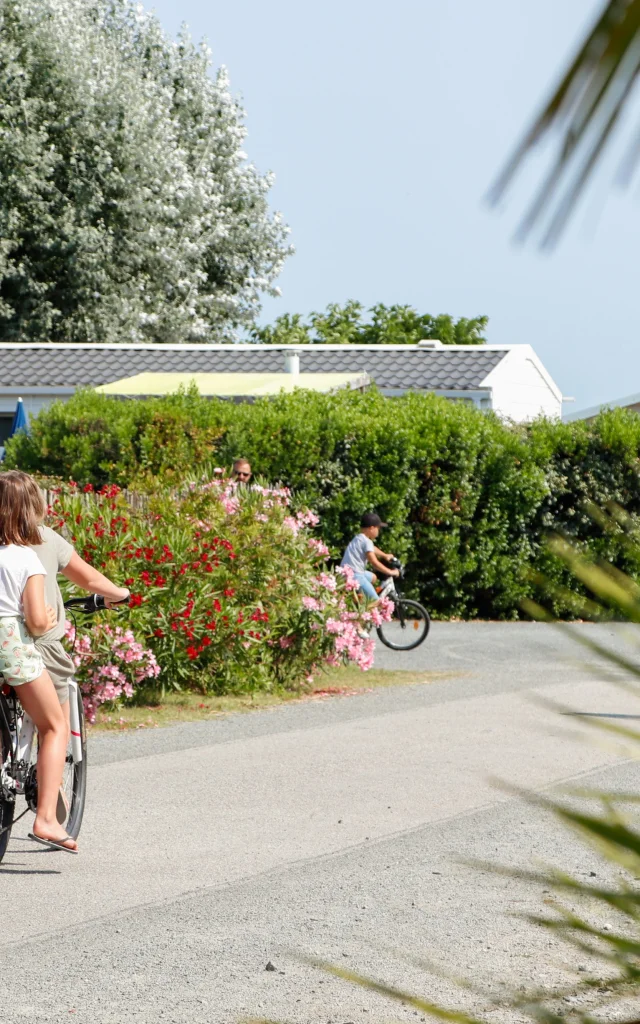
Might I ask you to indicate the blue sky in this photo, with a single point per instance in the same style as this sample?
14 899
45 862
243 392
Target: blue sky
385 124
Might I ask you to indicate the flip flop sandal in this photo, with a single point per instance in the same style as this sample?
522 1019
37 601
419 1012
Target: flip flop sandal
53 844
62 810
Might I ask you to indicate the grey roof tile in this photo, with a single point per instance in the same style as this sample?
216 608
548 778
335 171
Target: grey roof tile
401 367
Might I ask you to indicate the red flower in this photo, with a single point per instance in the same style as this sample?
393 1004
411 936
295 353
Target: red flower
88 488
217 607
192 652
158 632
135 600
229 592
206 640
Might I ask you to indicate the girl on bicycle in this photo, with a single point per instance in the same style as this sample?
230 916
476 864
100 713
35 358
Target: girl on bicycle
24 614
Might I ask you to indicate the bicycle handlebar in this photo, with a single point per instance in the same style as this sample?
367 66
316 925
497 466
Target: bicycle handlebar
394 563
90 604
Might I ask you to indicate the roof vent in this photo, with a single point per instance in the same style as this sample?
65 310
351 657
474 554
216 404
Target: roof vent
430 343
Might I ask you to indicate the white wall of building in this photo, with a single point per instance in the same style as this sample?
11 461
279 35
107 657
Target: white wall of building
33 403
521 388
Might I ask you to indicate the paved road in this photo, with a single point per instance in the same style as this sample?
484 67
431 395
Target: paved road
333 829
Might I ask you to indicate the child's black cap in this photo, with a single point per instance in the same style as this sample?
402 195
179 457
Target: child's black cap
371 519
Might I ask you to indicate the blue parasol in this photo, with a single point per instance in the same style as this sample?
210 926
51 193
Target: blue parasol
20 419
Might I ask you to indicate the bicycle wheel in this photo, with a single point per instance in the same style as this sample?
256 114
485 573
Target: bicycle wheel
74 780
408 628
7 807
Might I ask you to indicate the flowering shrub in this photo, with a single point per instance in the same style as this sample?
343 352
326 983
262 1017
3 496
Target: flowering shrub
109 664
229 587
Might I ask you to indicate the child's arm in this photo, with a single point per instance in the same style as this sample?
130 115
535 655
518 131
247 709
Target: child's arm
39 617
381 554
85 576
373 560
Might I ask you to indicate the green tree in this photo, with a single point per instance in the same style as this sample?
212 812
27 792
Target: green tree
128 211
386 325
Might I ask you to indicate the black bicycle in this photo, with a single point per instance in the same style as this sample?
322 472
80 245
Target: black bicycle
409 625
19 753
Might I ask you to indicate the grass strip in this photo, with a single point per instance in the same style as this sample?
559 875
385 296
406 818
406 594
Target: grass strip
195 707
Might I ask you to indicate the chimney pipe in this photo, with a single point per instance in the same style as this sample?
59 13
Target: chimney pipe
292 361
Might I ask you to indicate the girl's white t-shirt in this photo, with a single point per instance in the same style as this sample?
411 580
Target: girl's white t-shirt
17 564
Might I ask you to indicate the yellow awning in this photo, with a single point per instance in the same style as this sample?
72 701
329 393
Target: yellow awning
232 385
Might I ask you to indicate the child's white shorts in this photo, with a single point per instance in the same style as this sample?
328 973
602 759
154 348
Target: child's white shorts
20 662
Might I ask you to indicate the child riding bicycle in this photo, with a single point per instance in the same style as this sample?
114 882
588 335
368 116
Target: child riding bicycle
53 555
23 615
362 555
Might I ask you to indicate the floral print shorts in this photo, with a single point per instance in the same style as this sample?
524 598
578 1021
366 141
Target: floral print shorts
20 662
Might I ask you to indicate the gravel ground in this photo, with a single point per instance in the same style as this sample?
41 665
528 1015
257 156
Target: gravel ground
336 830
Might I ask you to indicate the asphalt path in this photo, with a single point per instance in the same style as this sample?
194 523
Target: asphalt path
338 829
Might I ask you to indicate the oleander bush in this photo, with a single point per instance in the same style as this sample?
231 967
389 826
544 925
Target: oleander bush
110 663
468 498
229 589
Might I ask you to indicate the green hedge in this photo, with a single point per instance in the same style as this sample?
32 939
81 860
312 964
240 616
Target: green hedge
468 498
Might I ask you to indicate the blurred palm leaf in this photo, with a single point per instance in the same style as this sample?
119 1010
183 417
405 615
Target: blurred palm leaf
585 109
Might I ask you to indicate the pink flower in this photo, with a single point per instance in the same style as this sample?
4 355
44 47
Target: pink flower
285 642
318 546
333 626
307 518
349 578
311 604
327 581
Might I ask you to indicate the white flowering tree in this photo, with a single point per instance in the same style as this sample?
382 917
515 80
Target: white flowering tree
128 210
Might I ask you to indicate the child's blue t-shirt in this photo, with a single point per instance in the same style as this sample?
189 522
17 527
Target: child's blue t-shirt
356 553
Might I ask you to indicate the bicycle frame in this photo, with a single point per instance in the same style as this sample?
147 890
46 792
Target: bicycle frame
26 730
74 722
390 590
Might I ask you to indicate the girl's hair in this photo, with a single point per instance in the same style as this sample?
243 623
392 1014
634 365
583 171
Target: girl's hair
22 508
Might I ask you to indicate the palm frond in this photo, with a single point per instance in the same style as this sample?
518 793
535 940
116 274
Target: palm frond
584 109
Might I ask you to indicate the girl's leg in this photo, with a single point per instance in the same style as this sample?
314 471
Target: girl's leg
40 700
